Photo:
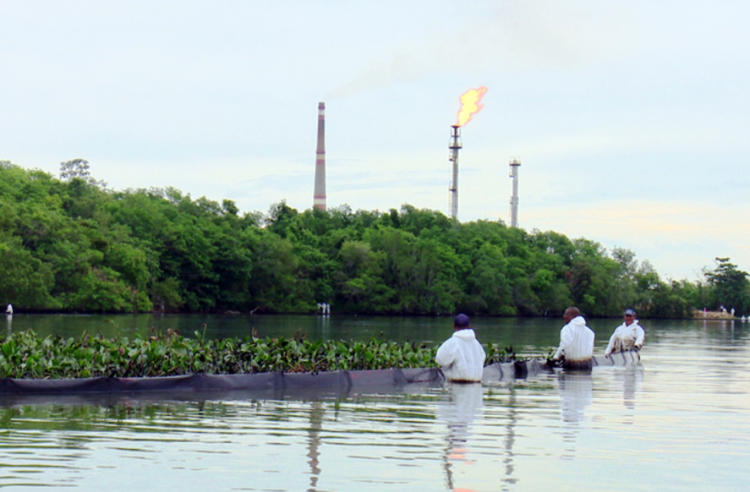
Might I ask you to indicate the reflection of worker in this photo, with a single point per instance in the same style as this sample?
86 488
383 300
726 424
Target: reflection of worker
576 341
575 395
461 356
627 336
576 391
631 382
458 414
465 403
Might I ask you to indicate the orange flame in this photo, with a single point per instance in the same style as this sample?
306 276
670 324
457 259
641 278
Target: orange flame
471 103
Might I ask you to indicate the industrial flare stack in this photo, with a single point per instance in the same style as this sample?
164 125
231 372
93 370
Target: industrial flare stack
455 145
471 103
319 195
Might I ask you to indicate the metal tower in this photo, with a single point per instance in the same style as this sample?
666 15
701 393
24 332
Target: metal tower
514 165
455 144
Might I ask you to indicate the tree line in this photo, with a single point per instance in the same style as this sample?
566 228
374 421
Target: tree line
73 245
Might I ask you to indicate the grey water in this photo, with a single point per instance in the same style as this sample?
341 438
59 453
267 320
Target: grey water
677 421
516 332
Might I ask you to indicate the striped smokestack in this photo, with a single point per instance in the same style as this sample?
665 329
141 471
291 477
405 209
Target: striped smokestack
319 197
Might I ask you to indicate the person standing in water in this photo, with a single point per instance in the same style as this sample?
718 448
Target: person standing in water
461 357
629 335
576 341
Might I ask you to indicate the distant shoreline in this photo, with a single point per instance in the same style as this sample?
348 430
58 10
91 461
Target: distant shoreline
698 314
694 314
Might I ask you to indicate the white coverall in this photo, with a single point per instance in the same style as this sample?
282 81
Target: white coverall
461 357
576 341
625 338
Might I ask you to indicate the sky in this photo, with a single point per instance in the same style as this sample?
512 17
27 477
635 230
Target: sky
630 119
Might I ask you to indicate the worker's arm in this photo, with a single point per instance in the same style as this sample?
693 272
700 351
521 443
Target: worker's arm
611 344
565 339
640 337
446 354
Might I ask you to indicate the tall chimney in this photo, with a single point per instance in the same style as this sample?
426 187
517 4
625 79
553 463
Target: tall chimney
319 196
514 165
455 144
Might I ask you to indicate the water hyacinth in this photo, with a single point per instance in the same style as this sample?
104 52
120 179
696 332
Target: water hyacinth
26 355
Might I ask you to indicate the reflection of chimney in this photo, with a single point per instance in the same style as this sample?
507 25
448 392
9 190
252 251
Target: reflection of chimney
319 196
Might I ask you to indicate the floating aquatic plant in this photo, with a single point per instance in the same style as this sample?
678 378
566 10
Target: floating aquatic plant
27 355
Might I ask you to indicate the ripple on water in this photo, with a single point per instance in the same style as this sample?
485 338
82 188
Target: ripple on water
678 418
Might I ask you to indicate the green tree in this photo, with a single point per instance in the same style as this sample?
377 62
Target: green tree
360 283
25 280
72 244
78 169
729 285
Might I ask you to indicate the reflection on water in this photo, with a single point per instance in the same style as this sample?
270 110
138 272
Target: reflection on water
314 442
688 401
458 413
518 332
576 390
631 377
575 394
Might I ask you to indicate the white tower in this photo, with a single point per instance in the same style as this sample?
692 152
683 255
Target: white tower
514 165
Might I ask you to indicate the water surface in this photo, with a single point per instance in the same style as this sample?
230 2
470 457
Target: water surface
679 421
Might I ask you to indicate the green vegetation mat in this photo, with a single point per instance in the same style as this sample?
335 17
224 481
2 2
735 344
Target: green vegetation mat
26 355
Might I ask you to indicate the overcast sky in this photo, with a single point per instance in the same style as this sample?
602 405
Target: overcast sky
630 118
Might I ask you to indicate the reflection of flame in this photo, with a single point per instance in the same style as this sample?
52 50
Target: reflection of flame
470 105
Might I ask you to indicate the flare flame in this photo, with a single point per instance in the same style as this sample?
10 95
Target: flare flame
471 103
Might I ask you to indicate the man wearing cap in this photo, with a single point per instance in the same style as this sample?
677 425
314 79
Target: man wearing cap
461 357
576 341
627 336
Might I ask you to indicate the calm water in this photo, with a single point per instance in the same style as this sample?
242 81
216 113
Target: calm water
312 327
680 421
521 333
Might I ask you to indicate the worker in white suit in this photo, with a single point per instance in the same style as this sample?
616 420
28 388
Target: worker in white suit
461 357
629 335
576 341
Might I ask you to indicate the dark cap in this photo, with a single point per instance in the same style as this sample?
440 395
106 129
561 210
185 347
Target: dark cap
629 311
461 321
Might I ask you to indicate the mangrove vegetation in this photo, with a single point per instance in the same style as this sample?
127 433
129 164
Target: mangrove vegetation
73 245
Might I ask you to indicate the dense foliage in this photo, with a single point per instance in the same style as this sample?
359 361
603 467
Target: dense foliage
74 245
729 286
26 355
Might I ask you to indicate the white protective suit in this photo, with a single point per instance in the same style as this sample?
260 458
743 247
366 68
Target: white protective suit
576 341
625 338
461 357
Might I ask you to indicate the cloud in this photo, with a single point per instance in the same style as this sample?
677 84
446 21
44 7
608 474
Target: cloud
515 35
